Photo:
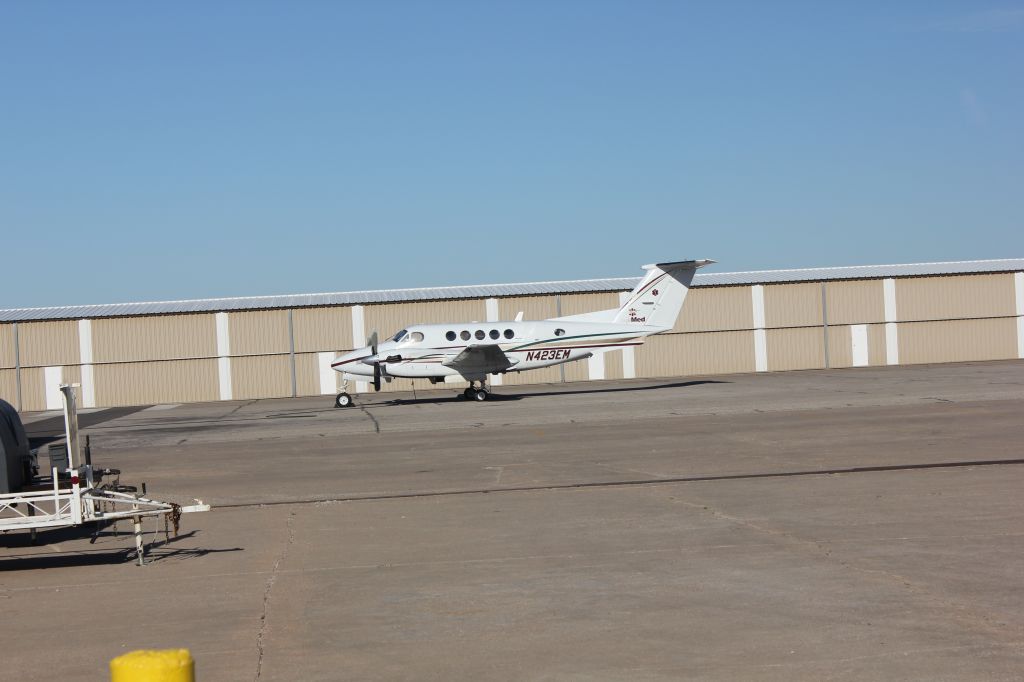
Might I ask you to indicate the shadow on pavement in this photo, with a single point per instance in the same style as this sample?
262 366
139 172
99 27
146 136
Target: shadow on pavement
505 397
157 549
52 428
103 557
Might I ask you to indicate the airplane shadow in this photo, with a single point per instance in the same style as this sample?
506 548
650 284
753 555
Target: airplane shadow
508 397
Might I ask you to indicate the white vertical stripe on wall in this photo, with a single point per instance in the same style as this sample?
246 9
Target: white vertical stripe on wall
359 339
628 363
328 377
53 377
88 387
760 351
1018 290
358 327
223 355
628 356
892 346
491 305
760 337
595 366
85 359
859 343
757 296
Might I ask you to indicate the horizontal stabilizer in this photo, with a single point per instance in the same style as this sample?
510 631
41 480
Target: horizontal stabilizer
681 264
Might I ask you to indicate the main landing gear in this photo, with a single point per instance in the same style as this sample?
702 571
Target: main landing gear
477 394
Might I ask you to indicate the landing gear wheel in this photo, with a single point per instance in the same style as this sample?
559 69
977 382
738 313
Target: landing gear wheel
343 400
481 395
469 393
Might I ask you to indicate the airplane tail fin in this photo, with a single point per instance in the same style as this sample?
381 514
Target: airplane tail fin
658 298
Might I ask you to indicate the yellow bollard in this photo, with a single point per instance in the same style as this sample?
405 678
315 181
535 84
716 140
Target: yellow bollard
168 665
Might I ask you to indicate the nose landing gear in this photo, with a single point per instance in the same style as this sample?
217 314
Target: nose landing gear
343 399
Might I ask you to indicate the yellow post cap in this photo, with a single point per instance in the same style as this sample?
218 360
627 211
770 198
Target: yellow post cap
166 665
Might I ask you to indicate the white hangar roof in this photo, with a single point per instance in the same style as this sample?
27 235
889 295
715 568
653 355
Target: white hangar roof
499 290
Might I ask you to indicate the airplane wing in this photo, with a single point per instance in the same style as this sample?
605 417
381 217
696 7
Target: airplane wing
480 359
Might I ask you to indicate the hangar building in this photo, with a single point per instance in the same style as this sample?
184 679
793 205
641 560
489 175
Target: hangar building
280 346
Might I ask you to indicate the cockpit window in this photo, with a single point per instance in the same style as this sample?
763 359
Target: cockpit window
399 336
416 337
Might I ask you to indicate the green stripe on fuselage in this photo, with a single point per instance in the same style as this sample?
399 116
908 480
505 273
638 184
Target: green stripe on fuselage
562 339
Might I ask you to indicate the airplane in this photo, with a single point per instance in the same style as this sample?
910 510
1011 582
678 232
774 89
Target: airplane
474 350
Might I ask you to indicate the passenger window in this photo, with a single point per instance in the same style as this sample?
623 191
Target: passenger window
559 332
509 334
465 336
450 336
495 334
480 334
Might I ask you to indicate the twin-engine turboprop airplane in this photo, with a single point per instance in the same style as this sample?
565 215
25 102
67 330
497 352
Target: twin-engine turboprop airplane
474 350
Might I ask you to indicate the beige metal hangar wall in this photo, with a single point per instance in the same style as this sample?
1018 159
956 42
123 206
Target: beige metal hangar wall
238 349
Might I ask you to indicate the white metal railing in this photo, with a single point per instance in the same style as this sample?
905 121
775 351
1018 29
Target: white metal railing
75 503
37 509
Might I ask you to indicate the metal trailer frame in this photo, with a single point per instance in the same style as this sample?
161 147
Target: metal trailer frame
83 502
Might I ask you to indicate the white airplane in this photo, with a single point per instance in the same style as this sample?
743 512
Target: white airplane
474 350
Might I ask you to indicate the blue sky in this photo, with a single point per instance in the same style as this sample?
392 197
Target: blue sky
179 150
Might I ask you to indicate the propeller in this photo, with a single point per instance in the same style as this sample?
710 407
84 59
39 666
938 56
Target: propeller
376 365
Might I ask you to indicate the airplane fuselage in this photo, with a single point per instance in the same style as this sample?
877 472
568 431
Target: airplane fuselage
420 352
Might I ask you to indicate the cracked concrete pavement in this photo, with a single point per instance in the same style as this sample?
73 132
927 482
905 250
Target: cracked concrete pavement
560 570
